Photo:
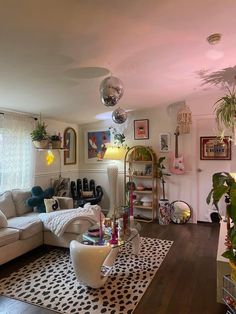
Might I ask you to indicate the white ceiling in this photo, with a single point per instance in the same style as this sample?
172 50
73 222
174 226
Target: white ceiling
55 53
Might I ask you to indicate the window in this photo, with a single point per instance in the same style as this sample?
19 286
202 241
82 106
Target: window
16 153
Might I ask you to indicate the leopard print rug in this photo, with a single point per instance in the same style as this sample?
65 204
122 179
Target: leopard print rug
50 281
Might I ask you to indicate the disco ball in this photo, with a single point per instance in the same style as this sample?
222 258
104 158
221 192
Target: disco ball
111 90
119 116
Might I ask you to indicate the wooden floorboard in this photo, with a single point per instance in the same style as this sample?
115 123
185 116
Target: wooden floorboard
184 284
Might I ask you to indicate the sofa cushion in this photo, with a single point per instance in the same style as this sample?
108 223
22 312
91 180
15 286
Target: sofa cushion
3 220
28 225
8 235
7 205
19 198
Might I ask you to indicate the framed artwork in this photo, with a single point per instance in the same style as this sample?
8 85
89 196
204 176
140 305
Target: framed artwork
164 142
213 148
96 143
70 145
141 129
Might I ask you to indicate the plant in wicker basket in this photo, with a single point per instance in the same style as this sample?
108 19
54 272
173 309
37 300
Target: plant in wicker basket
39 135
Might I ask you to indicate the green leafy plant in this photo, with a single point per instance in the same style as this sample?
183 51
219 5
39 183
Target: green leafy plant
224 185
161 174
40 132
225 110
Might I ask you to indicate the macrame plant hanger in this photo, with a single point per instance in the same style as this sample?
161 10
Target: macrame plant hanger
184 120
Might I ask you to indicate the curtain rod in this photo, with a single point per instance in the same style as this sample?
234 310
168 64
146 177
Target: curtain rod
17 113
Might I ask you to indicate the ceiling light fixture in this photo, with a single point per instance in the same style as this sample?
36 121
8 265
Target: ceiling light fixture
212 53
214 39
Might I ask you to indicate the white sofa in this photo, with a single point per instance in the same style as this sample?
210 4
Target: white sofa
24 230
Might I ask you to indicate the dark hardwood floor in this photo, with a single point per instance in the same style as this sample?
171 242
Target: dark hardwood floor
184 284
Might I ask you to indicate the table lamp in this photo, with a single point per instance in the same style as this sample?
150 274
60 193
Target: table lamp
113 153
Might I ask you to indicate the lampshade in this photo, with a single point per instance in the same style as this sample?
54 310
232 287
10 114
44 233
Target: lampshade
114 153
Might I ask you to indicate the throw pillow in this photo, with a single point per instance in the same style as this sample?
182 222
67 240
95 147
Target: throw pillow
86 194
51 204
3 220
6 204
38 195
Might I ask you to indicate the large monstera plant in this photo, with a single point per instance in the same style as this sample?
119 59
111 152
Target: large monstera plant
224 185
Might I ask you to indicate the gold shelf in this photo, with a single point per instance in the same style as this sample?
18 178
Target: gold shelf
143 191
140 161
143 207
139 177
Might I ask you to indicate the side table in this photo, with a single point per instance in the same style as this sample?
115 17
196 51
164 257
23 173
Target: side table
92 263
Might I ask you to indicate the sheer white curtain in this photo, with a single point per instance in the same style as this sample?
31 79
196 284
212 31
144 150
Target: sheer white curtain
16 152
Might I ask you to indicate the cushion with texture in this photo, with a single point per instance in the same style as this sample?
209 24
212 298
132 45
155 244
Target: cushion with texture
19 198
51 204
3 220
7 205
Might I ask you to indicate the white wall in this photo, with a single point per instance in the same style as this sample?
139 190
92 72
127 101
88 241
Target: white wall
43 172
161 120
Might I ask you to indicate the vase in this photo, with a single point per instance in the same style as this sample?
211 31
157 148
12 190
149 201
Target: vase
233 270
164 212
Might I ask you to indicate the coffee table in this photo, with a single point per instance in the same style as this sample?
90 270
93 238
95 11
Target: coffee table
92 263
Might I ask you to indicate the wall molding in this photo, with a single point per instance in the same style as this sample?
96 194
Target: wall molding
102 171
53 173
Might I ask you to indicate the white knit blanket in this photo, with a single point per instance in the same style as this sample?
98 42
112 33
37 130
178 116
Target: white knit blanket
58 221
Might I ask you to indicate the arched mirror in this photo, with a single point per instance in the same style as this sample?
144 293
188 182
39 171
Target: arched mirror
70 145
181 212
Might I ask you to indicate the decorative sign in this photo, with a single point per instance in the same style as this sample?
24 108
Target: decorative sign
214 148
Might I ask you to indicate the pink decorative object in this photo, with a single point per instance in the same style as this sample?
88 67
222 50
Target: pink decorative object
114 235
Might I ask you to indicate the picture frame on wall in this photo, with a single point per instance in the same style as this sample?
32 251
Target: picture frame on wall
69 138
141 129
215 148
96 142
164 142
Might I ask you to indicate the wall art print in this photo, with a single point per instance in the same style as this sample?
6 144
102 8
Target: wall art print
96 143
164 142
141 129
70 145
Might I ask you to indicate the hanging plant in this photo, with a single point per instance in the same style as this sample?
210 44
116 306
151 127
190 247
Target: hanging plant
225 111
39 135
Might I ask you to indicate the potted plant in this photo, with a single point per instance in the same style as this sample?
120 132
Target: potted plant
225 111
164 208
224 185
55 140
39 135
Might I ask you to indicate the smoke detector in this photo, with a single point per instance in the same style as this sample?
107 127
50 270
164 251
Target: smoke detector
214 39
